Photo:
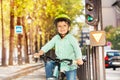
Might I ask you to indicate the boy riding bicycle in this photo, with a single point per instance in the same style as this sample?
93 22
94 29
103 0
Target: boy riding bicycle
66 47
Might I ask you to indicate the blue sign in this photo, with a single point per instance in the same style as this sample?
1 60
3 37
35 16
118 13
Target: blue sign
18 29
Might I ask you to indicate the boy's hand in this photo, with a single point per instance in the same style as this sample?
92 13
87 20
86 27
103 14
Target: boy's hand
38 54
79 62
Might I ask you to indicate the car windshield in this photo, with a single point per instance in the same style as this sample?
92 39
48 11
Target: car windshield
111 54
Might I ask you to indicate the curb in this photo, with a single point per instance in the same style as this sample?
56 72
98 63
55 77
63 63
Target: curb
23 72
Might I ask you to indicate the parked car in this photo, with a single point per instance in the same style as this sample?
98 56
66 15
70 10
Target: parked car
116 60
112 59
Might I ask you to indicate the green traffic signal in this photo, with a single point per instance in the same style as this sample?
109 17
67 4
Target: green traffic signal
89 18
91 12
89 8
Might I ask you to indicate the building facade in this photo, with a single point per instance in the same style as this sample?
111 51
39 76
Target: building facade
109 14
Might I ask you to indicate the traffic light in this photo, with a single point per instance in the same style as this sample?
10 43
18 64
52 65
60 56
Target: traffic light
91 12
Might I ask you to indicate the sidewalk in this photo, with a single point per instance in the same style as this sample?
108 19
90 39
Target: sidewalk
12 72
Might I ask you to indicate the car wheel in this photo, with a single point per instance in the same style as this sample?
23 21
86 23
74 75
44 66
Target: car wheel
114 68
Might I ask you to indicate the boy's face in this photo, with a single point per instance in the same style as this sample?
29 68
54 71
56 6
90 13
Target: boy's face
62 27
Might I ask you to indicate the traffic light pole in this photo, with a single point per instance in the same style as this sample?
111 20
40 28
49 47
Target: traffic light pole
93 17
99 51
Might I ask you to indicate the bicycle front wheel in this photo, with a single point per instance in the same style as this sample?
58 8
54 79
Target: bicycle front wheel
52 78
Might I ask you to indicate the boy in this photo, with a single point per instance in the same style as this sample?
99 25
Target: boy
66 47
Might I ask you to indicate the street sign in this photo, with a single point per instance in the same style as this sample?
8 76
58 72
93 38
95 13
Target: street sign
85 30
97 38
18 29
109 43
84 37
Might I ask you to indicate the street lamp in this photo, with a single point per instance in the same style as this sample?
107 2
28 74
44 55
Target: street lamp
29 20
36 42
28 42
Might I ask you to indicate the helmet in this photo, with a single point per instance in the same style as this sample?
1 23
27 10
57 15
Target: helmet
62 17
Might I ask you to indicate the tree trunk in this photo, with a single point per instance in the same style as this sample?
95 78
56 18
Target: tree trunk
19 46
25 41
3 37
11 44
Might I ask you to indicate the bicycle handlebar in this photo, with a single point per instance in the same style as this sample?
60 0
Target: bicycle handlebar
58 60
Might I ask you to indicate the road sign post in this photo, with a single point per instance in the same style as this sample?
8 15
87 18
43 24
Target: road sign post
99 50
93 17
19 31
97 39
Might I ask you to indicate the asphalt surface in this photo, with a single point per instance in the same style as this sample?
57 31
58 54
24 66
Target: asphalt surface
35 71
113 74
16 71
35 75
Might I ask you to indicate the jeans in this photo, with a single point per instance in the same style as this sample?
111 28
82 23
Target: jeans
49 66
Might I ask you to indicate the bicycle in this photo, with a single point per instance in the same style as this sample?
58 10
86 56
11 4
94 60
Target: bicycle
57 74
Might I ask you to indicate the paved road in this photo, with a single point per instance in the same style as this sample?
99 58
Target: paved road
36 75
113 74
40 75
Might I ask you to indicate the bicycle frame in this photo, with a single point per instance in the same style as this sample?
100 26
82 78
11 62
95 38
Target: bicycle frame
56 72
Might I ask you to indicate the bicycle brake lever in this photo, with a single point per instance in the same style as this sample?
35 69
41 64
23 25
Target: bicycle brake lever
42 56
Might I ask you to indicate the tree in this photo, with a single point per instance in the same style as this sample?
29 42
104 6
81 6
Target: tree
26 40
11 44
3 37
18 10
113 35
51 8
19 43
